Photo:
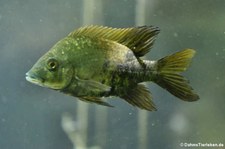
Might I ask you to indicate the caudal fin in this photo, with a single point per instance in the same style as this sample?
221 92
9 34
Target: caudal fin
169 78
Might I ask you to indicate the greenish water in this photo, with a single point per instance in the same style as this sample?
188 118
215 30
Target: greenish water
31 116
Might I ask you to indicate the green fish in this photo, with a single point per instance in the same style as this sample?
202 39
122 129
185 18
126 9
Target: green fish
95 62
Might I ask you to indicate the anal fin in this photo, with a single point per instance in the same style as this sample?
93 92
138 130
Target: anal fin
141 97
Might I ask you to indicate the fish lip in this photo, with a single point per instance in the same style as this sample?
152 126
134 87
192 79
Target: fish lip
34 79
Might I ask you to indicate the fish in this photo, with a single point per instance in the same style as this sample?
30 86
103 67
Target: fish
94 63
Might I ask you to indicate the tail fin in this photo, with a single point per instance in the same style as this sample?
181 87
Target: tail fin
168 69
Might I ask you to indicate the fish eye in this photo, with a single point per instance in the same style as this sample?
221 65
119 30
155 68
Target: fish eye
52 64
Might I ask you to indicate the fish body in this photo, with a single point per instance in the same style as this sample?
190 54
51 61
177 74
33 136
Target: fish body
94 62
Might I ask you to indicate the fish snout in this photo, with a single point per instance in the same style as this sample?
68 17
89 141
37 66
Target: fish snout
34 79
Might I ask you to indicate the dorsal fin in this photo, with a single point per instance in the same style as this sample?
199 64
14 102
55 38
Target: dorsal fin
138 39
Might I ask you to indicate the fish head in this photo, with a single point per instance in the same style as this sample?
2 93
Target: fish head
51 71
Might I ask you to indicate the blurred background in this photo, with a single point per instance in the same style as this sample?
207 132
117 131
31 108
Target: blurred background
32 117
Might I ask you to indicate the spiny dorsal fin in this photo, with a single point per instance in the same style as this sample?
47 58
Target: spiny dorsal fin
140 97
138 39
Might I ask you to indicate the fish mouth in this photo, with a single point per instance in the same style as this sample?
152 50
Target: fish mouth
34 79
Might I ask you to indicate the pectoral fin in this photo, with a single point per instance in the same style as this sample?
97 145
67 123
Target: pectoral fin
140 97
93 88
